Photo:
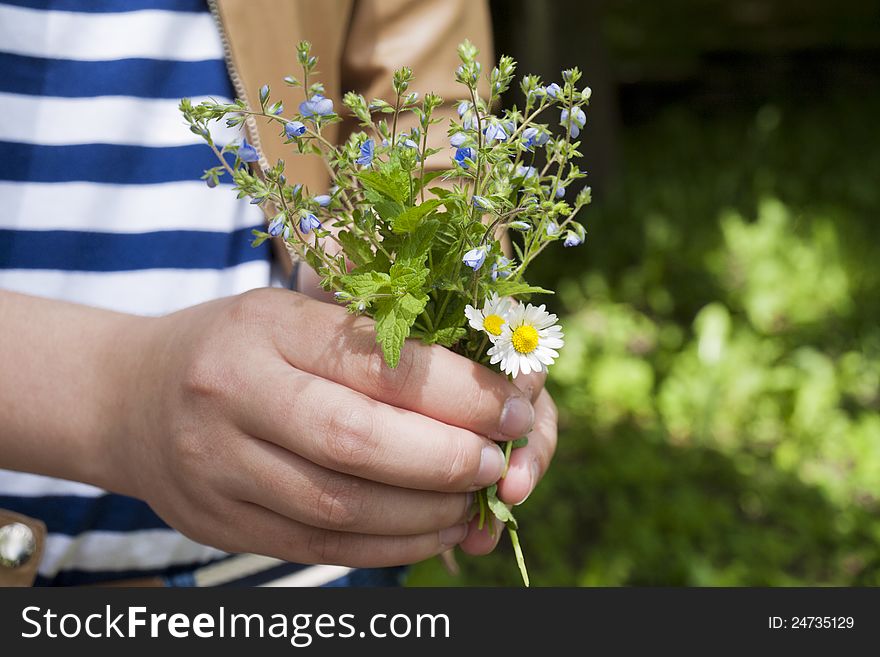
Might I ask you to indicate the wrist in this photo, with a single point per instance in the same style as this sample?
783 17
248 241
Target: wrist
122 407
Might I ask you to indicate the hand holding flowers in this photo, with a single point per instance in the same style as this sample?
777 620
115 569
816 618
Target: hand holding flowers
426 262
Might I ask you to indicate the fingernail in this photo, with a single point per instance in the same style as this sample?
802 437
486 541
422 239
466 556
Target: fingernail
517 417
534 473
453 535
491 466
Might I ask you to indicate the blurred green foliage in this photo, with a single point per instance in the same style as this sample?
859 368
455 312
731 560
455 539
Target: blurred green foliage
669 38
719 391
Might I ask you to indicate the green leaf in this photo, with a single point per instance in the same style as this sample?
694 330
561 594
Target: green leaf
409 220
439 192
520 442
429 177
313 260
357 250
259 237
364 284
416 245
498 507
506 288
394 319
446 337
408 276
393 184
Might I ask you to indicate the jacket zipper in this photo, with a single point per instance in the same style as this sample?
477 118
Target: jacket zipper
250 122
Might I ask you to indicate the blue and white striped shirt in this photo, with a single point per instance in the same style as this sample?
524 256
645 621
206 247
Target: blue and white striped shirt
101 204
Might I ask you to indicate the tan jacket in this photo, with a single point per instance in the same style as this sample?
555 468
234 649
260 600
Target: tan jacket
359 44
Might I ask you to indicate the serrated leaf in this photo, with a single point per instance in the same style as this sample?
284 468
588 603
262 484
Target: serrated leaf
384 206
446 337
364 284
394 319
416 245
408 276
357 250
409 220
506 288
393 184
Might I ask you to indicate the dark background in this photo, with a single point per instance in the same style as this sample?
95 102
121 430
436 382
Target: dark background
719 391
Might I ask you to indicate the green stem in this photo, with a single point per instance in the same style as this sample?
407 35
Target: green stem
394 123
517 550
508 448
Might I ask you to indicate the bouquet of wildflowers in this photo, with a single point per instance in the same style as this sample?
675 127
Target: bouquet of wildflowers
421 251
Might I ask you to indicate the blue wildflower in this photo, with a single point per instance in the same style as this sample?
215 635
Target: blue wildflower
317 105
552 229
286 232
572 239
294 129
276 109
520 225
467 114
409 143
276 226
264 93
532 137
308 222
495 131
560 191
458 139
553 90
501 268
247 153
463 154
368 150
482 203
475 257
526 172
575 122
323 200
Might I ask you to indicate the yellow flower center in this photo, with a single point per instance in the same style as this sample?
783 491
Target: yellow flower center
525 339
493 324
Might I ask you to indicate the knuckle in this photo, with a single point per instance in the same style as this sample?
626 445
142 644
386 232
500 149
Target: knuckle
203 375
250 307
350 441
326 547
460 468
388 383
340 504
475 410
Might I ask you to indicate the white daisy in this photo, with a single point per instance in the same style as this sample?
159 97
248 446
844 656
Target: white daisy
528 341
492 317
